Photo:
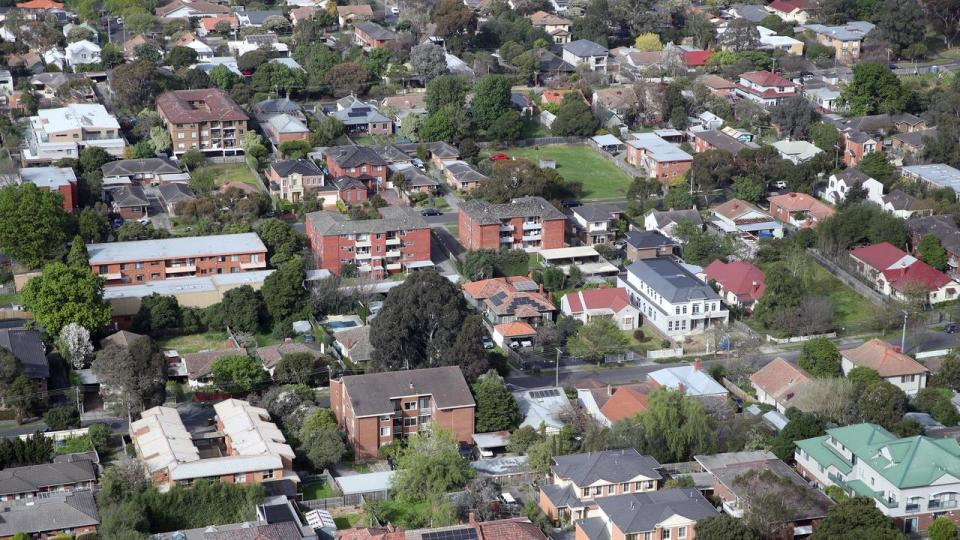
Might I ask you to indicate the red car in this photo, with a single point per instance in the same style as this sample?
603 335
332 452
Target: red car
499 157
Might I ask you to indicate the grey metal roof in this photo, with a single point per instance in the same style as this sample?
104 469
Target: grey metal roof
53 513
357 113
486 213
48 475
28 348
610 465
722 141
648 239
128 196
286 123
300 166
394 218
171 248
852 176
900 200
463 172
417 178
665 217
276 106
599 211
583 48
641 512
852 31
370 393
132 167
671 280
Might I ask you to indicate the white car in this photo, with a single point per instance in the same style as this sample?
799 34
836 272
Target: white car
395 10
143 221
780 184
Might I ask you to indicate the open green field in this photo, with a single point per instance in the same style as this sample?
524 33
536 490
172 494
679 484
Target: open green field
852 312
580 163
233 172
192 343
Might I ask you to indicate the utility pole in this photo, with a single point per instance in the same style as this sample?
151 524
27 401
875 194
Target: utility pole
903 336
557 382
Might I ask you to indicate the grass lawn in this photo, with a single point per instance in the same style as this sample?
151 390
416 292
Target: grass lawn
580 163
9 299
234 172
194 342
852 312
651 339
317 489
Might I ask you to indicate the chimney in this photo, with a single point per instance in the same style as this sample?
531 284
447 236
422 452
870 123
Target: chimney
411 385
681 388
350 346
698 364
609 390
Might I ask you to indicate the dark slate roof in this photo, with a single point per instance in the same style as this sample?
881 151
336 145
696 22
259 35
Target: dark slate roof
48 475
354 156
348 182
584 47
548 62
611 466
561 496
370 393
176 191
375 31
418 178
900 200
594 528
55 512
640 512
943 227
722 141
671 281
486 213
131 167
127 196
599 211
394 218
392 153
29 350
852 176
284 530
648 239
301 166
258 17
915 138
665 217
276 106
463 172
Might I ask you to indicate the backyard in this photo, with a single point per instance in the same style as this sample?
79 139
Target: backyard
317 488
192 343
233 172
580 163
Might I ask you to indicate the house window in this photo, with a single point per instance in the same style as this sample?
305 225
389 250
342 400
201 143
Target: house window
682 533
633 536
638 486
410 405
611 489
666 534
650 484
908 378
267 475
598 490
407 422
139 266
677 309
384 432
586 492
104 269
240 478
139 277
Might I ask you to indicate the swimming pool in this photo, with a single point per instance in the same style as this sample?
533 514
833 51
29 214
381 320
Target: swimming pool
340 325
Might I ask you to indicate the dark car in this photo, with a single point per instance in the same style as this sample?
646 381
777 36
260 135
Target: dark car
570 203
951 328
431 212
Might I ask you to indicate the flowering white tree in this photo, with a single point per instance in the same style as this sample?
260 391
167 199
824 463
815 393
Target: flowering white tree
75 344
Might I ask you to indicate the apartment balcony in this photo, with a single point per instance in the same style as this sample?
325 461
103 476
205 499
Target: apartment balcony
733 509
362 255
506 239
393 241
253 265
532 237
530 225
934 504
114 276
362 243
393 253
181 268
506 228
394 266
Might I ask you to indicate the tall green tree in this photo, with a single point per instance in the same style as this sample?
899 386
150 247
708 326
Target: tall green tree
901 23
820 357
158 313
598 339
20 395
34 227
724 527
795 116
64 294
241 308
430 467
282 240
574 118
497 409
133 376
93 226
240 373
78 255
676 425
855 518
491 100
874 89
932 252
882 403
283 292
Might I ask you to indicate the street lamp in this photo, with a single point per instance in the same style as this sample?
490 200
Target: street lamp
903 336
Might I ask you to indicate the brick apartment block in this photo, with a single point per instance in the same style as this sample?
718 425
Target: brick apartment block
529 223
134 262
206 119
397 242
375 409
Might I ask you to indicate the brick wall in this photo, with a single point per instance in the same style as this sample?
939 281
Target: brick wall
156 269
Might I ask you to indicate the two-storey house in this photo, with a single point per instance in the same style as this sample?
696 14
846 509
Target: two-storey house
587 53
740 283
912 480
846 40
660 515
290 178
659 158
375 409
528 223
744 219
765 88
840 184
596 223
557 27
671 298
360 162
893 272
579 481
55 134
895 367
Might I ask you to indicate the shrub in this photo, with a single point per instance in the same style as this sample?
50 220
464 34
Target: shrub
60 418
638 335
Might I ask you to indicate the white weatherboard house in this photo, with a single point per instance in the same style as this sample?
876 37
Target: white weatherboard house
671 298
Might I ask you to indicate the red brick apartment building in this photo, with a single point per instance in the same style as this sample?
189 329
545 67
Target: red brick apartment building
121 263
528 223
375 409
360 162
397 242
207 119
59 179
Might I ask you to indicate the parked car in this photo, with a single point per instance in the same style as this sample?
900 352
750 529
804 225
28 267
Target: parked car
499 157
779 184
951 328
571 203
143 221
431 212
487 342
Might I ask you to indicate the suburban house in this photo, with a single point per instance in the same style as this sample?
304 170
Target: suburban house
739 477
33 481
904 205
173 193
607 403
127 201
943 228
586 52
152 260
347 15
771 41
555 26
360 162
82 52
910 479
206 119
799 209
185 9
271 355
141 171
779 383
895 367
797 11
672 513
60 133
359 117
605 303
460 175
290 178
370 35
671 298
796 152
199 365
840 184
615 105
911 145
508 300
664 221
846 40
528 223
281 128
765 88
542 408
580 481
691 380
712 139
895 273
60 180
719 87
48 517
375 409
659 158
353 344
742 218
397 242
650 244
596 223
739 283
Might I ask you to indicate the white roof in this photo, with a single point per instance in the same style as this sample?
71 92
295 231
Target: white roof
48 177
937 173
250 430
76 116
318 519
660 149
175 286
803 150
694 381
542 406
162 440
497 439
82 45
172 248
225 465
353 484
607 140
568 252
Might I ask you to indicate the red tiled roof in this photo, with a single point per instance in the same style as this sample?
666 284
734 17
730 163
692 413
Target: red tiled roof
180 106
739 277
788 6
780 380
766 78
696 58
625 403
40 4
210 23
796 202
515 329
613 299
510 529
918 272
883 358
485 288
717 82
879 256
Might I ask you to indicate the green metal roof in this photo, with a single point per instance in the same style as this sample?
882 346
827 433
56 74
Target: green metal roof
819 451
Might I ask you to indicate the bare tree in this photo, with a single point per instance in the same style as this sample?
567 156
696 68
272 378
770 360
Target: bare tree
827 398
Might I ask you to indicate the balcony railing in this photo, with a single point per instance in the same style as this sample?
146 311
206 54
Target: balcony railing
528 225
940 504
506 228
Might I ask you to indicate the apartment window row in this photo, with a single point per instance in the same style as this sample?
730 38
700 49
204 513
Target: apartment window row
676 325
